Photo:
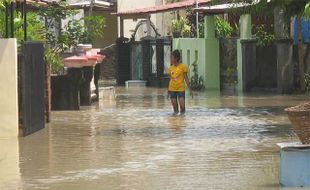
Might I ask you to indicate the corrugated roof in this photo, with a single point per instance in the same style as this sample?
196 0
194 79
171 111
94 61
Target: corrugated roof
162 8
222 8
97 3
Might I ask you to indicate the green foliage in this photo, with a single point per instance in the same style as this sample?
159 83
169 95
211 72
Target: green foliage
94 27
186 32
1 4
35 28
265 7
180 28
307 10
74 32
70 35
263 38
196 81
201 28
56 13
54 60
222 27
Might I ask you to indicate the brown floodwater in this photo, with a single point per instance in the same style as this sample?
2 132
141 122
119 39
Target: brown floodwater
133 141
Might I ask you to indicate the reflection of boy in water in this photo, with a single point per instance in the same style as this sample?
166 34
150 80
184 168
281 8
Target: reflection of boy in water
178 74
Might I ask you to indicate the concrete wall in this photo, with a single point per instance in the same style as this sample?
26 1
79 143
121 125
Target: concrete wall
9 162
8 88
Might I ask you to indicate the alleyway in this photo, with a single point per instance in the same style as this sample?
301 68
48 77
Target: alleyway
134 142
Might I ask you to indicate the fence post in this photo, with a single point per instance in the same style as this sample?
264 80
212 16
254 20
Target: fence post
212 80
245 23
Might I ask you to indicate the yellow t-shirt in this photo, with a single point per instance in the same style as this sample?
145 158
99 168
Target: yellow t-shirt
177 74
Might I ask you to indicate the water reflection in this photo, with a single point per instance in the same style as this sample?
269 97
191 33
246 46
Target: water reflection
132 141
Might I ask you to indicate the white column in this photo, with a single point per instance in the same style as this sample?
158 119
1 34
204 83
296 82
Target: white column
8 88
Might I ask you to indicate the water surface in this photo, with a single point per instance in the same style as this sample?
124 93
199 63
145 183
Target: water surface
134 142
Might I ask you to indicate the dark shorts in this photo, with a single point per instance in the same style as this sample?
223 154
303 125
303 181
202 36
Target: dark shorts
173 94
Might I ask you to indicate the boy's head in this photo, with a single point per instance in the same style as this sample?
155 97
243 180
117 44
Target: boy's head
175 57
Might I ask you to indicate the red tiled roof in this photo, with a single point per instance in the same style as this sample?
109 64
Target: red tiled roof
162 8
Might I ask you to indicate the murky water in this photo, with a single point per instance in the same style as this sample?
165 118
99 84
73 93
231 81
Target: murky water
134 142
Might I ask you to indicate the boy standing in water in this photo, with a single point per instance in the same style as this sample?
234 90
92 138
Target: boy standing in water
178 74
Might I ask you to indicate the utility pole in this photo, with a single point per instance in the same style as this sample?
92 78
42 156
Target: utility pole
197 21
91 7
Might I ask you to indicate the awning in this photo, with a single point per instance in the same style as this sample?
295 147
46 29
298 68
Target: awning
97 3
162 8
222 8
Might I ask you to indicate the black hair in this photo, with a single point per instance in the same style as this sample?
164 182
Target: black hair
177 55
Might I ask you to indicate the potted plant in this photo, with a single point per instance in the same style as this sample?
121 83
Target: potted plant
176 28
196 81
186 32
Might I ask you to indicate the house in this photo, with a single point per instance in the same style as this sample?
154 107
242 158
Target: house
161 20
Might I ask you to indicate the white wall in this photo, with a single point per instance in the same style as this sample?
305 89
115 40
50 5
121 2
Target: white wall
162 21
124 5
8 88
9 163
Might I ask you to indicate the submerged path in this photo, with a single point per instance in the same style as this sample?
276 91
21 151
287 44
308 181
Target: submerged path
133 142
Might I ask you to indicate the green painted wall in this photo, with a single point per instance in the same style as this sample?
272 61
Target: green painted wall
212 64
209 22
205 51
190 47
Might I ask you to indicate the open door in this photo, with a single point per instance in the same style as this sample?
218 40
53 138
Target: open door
31 88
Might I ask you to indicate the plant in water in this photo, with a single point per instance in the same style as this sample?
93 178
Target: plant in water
196 81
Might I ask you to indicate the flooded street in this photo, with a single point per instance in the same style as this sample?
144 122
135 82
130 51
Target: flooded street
134 142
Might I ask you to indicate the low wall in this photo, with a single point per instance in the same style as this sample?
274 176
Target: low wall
266 67
204 52
192 50
8 88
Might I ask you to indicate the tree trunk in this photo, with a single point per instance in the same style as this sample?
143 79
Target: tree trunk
301 56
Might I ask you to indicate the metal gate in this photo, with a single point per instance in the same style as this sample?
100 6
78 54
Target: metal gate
31 88
123 60
136 61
